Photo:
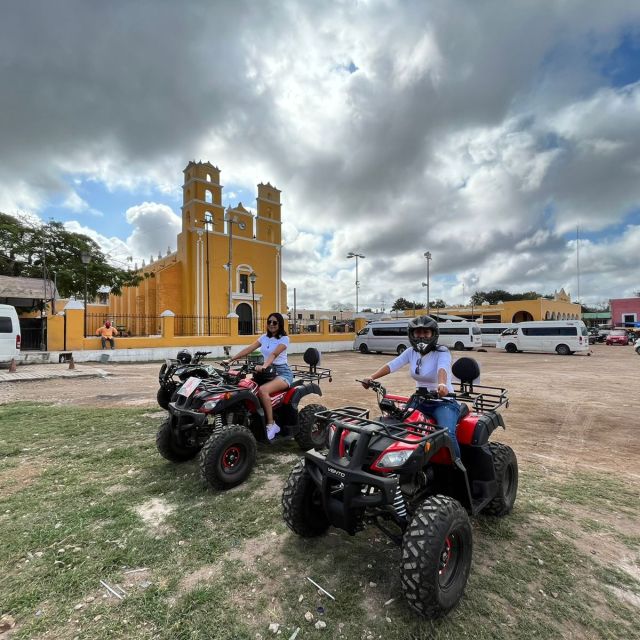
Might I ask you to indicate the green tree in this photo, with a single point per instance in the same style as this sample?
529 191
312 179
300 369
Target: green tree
495 296
438 304
31 250
402 303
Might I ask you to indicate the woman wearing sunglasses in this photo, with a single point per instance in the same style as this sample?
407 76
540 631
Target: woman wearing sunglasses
273 345
430 367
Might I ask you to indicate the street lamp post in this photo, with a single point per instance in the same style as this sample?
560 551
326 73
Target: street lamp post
231 220
427 255
86 259
351 254
252 279
207 223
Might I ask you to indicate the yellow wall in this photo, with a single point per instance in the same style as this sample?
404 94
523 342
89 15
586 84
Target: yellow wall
77 342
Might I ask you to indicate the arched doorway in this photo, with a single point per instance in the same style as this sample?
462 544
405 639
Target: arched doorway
522 316
245 319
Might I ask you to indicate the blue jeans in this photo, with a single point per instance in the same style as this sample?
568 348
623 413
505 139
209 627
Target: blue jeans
446 413
283 371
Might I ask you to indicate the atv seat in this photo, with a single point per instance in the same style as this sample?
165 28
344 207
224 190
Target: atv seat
464 411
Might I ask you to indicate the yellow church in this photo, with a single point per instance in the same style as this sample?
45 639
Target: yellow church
228 262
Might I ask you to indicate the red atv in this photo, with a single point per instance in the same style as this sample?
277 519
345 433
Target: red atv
223 422
397 473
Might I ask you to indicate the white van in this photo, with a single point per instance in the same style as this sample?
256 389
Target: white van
383 335
392 336
9 333
491 332
460 335
562 337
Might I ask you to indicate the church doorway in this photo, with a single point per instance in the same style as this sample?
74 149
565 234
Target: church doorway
522 316
245 319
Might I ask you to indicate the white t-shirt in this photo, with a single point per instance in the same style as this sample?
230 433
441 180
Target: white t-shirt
430 364
268 346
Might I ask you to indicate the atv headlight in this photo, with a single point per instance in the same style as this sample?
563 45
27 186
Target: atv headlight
394 458
209 405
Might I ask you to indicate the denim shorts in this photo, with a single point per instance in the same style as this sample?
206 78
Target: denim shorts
283 371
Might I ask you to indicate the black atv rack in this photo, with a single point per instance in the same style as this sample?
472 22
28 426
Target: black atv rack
482 399
357 420
217 387
311 374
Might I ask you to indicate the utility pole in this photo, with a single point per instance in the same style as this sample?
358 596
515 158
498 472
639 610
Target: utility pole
207 222
427 255
351 254
578 262
295 314
241 225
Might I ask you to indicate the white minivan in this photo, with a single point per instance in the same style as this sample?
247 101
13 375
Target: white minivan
460 335
392 336
546 336
383 335
491 332
9 333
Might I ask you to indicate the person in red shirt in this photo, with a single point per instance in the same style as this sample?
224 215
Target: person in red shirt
107 333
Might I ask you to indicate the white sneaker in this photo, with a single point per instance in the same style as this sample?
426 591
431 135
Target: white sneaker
272 429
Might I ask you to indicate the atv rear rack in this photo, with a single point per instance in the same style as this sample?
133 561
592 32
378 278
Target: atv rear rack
482 399
313 374
357 420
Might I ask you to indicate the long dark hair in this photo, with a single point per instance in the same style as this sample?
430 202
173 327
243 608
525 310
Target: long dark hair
280 330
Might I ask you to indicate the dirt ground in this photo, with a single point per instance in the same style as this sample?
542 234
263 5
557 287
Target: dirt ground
564 413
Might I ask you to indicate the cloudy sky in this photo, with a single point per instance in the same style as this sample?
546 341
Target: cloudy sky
483 132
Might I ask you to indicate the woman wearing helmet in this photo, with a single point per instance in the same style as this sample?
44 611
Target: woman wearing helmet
430 367
273 345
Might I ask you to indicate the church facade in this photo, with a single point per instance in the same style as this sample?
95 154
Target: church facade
227 261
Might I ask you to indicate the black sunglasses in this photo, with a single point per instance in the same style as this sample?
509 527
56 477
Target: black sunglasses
272 322
418 366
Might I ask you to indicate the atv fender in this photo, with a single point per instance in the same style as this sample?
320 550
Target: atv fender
299 392
476 431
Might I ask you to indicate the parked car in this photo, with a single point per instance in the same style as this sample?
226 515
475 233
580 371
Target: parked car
594 336
618 336
9 333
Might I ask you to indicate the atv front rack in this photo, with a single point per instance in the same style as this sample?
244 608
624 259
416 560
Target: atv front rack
215 386
312 374
357 420
481 398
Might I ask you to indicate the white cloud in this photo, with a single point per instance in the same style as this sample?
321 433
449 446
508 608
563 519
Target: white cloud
155 227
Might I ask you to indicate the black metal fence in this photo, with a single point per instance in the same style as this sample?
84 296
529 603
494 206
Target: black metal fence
127 325
201 326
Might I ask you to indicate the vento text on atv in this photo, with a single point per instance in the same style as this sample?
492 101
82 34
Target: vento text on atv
397 473
224 422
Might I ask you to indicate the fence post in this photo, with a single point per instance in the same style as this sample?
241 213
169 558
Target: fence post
233 326
74 312
168 320
323 325
360 323
55 333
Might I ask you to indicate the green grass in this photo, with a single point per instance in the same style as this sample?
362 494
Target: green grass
72 481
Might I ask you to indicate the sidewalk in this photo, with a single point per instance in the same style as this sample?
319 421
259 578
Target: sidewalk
50 371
